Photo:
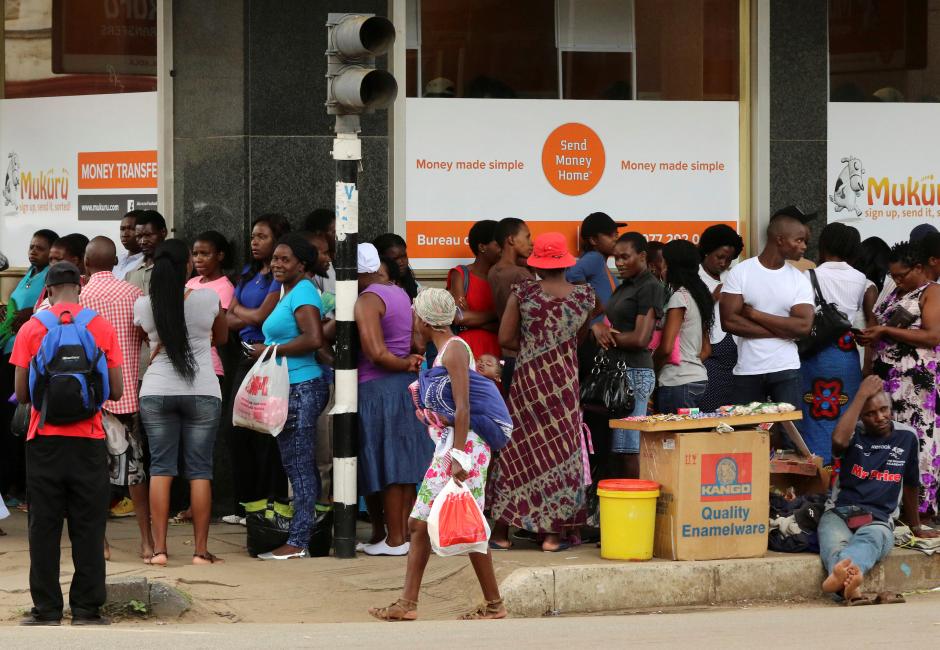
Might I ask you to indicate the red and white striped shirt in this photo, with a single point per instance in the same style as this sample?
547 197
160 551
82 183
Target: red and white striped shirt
114 299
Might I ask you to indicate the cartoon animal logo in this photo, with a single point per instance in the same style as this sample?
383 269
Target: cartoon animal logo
849 186
11 183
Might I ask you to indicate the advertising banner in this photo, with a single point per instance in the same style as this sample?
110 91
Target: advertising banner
75 164
883 176
670 169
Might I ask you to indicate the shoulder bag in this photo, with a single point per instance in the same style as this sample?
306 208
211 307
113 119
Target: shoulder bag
829 323
607 387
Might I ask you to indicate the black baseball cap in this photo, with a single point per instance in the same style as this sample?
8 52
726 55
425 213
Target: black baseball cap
795 212
63 273
598 223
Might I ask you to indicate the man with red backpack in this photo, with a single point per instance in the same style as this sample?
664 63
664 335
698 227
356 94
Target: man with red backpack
68 362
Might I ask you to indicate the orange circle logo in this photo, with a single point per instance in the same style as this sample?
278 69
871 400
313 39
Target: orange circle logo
573 159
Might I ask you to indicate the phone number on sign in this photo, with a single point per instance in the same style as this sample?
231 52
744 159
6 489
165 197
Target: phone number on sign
668 237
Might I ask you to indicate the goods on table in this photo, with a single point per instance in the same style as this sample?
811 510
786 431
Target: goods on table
754 408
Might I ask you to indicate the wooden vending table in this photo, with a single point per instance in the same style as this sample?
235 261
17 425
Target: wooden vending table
714 486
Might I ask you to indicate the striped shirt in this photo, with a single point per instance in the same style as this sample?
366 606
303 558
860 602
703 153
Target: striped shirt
843 285
114 299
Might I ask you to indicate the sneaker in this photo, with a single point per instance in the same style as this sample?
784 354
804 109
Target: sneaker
233 520
124 508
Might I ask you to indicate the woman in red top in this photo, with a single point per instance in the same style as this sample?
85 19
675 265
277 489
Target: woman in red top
477 322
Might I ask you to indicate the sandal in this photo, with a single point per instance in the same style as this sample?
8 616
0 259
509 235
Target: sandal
491 609
149 560
401 610
889 598
208 557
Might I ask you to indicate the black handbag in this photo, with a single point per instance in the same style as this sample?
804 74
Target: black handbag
607 388
829 323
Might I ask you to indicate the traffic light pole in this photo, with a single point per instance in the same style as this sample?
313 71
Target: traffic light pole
347 154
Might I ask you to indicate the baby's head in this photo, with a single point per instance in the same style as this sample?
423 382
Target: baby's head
490 367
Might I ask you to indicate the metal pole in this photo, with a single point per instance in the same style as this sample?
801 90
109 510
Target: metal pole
347 152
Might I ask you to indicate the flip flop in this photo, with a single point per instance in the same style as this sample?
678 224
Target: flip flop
563 546
498 547
859 601
889 598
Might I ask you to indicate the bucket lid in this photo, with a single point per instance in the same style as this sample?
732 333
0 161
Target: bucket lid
627 485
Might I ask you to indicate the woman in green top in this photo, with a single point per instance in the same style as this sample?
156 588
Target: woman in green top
19 310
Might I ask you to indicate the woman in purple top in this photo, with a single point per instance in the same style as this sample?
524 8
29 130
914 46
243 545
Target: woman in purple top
394 449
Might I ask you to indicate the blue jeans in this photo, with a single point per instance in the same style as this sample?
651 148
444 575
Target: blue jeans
865 547
190 420
686 396
297 442
642 380
780 386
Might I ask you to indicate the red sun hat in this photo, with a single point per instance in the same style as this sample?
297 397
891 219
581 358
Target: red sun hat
551 252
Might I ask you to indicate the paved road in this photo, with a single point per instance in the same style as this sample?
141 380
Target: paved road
912 625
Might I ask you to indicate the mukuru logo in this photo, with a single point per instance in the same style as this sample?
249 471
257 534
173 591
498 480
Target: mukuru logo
726 477
879 197
35 190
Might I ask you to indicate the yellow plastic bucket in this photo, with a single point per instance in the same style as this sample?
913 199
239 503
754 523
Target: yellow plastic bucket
628 518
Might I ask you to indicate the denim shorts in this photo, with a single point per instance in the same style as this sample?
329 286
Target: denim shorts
172 420
642 380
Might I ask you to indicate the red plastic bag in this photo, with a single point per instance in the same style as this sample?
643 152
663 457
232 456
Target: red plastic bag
456 524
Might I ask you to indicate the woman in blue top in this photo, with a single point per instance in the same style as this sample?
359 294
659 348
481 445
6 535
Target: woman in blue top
20 309
256 462
294 326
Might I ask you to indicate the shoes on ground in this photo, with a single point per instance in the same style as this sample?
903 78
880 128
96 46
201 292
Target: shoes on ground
233 520
91 620
289 556
382 548
123 508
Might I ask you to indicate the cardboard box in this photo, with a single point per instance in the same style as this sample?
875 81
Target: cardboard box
714 491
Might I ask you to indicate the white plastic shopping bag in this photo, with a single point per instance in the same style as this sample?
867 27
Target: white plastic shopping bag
261 401
456 524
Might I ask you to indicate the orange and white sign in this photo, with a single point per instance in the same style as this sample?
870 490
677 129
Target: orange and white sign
670 169
74 164
883 176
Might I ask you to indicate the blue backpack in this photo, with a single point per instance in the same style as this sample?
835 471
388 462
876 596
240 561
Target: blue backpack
68 377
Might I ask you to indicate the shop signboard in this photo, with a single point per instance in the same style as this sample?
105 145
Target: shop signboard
104 36
668 168
883 176
75 164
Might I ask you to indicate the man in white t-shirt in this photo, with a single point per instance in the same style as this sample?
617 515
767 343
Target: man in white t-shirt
768 304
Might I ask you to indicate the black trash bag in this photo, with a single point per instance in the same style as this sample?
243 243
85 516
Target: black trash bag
268 524
321 537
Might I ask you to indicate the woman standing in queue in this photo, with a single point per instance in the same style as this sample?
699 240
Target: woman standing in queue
905 348
719 246
394 449
538 481
294 327
434 313
256 462
180 398
476 321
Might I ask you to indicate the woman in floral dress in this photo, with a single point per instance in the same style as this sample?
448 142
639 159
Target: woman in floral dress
459 454
538 479
906 354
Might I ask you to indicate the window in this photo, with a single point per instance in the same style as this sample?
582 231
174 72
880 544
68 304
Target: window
573 49
79 47
884 50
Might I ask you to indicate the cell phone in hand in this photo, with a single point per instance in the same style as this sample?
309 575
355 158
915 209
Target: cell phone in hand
248 347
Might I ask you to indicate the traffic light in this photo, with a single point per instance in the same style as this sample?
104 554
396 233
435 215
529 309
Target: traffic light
354 86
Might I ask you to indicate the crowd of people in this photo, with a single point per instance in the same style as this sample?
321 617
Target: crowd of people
692 326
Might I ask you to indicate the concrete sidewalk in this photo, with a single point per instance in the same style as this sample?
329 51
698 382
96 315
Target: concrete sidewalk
327 590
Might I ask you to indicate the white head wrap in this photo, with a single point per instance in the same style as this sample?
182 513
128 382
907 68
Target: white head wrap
367 259
435 307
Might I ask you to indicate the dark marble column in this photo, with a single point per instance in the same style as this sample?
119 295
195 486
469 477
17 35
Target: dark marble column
250 129
799 93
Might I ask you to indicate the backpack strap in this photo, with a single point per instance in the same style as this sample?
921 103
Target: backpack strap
48 319
84 317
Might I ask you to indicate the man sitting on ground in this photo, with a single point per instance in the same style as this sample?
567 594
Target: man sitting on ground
879 465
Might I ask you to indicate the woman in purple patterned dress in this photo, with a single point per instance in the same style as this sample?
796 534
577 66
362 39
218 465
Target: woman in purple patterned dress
539 476
905 356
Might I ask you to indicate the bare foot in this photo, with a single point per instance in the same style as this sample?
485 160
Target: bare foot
836 580
206 558
159 558
853 583
107 551
146 550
